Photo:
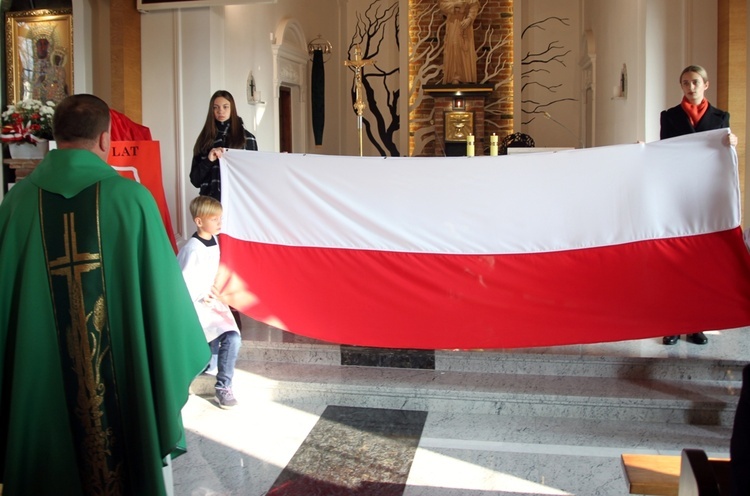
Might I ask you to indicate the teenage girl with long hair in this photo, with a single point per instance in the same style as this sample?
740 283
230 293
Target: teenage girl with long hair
223 129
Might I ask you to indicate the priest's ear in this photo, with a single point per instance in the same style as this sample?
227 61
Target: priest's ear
103 144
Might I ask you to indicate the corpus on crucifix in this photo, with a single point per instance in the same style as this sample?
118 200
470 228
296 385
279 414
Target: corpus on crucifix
359 104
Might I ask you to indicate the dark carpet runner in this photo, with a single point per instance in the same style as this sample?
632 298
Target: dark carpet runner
354 451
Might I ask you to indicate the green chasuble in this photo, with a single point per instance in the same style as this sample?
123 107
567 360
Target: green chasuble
99 339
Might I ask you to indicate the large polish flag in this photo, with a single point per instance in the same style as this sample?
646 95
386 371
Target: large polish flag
582 246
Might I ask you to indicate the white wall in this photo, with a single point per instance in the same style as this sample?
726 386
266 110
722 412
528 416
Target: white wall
656 39
188 54
664 59
671 46
564 130
617 30
86 28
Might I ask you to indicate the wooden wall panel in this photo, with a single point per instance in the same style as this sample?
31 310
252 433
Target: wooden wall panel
730 82
125 46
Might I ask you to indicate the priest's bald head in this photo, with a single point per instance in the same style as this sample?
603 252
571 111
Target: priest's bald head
83 122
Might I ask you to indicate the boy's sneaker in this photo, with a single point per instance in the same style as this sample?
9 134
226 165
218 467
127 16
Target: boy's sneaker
225 398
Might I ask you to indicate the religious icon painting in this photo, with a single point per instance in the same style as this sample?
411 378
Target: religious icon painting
458 125
39 54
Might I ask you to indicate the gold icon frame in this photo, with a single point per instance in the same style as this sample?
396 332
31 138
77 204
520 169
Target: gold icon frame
22 28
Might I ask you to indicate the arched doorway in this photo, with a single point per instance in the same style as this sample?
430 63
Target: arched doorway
286 135
290 59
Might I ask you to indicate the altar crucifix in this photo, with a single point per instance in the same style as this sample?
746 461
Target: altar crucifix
359 104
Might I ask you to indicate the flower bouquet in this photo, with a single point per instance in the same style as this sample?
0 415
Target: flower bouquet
27 121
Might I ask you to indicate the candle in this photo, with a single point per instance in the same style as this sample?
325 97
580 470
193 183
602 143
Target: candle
470 145
493 145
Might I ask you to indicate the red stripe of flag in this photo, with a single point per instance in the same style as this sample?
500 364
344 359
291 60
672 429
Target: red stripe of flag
437 301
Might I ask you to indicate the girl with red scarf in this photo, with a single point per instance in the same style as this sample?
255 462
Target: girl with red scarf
694 114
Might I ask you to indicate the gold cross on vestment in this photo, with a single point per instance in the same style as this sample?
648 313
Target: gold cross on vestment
73 264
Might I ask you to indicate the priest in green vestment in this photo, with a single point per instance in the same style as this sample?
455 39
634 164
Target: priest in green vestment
99 340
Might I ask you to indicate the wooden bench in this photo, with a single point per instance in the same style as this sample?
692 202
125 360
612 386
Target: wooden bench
659 475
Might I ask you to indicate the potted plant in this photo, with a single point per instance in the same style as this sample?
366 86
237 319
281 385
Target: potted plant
27 128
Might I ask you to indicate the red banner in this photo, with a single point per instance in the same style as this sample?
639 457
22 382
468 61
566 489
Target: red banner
141 161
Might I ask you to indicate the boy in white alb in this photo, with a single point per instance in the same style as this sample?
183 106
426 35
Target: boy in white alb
199 260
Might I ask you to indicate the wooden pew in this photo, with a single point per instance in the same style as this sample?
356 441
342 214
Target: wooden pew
700 476
660 475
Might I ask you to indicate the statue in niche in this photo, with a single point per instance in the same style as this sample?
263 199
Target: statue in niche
459 54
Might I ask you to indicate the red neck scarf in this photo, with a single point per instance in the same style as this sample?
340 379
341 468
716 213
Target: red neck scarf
694 112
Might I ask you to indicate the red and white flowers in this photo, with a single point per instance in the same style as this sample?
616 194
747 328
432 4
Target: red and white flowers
27 121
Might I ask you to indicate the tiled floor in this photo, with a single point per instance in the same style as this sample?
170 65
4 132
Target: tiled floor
247 451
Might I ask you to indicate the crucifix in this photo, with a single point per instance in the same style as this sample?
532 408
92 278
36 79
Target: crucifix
359 104
252 94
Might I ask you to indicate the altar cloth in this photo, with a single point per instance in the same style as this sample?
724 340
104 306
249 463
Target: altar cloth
581 246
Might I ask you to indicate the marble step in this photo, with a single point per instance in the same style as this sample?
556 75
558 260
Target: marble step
558 361
561 395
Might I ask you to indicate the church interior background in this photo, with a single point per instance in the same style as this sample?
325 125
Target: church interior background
557 70
569 73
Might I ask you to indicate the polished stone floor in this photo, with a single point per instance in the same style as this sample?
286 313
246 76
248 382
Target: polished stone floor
269 447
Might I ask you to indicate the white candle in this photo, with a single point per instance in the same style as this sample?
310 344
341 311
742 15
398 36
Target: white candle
493 145
470 145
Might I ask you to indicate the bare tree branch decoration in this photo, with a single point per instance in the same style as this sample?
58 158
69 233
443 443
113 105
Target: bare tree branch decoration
540 24
531 58
381 85
550 88
554 53
423 54
493 57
